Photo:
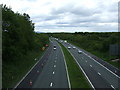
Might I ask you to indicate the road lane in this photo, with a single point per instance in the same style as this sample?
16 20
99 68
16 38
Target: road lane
104 63
54 74
111 78
91 73
32 75
49 71
105 80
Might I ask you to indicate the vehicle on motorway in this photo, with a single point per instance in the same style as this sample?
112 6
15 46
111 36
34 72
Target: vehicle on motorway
56 38
73 47
54 48
80 52
69 47
65 41
61 41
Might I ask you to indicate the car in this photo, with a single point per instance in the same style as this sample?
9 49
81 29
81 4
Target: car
80 52
74 47
65 41
54 48
61 41
69 47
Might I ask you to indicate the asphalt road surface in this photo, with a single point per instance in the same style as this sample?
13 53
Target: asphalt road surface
98 75
49 72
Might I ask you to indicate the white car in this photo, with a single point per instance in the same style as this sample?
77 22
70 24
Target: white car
69 47
79 52
65 41
54 47
73 47
61 41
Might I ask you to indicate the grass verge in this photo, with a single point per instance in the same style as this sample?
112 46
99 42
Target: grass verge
14 71
104 56
77 78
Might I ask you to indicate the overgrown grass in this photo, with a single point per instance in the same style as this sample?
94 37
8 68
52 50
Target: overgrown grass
77 78
104 55
14 71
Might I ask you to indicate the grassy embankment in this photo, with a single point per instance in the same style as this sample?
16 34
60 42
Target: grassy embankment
20 46
77 78
14 71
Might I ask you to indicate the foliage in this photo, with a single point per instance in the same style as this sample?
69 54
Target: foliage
20 46
18 35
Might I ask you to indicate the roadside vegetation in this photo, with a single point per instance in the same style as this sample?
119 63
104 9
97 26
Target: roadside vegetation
77 78
95 43
20 46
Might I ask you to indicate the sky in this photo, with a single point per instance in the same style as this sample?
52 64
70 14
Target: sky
69 15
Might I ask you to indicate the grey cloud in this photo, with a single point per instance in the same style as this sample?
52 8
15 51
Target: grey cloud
113 7
62 10
72 9
83 11
43 18
69 25
80 17
32 0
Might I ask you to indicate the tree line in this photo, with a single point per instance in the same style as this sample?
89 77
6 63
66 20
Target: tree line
18 36
20 46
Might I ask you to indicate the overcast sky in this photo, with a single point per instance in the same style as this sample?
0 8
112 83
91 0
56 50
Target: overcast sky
69 15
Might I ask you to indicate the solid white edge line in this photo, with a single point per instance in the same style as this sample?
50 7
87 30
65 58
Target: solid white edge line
113 87
30 70
66 68
101 65
82 70
98 62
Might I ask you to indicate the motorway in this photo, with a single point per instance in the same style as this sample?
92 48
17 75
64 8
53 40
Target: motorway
98 75
54 73
49 72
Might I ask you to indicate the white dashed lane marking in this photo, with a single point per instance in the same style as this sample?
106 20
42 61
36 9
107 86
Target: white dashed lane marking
90 65
37 71
99 73
54 65
53 72
51 84
102 65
